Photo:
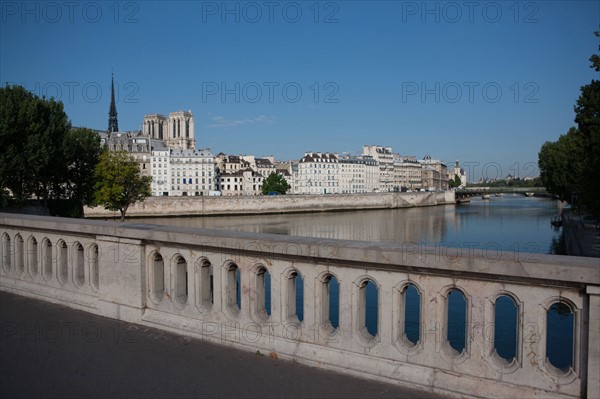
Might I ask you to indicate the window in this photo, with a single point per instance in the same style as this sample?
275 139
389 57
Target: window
560 329
32 256
158 276
181 280
411 310
505 327
263 293
6 251
47 258
79 264
234 294
94 267
206 297
63 261
368 308
295 296
19 254
456 308
330 301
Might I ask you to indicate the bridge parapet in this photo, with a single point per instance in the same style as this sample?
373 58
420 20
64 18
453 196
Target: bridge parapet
241 289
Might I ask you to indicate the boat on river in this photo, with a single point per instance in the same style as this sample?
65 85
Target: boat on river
529 194
556 221
485 197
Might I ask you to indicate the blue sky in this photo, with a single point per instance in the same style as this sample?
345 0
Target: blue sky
483 82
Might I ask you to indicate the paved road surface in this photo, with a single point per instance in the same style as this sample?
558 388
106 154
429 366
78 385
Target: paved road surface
48 350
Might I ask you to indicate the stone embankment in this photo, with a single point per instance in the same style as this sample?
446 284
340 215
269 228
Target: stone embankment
581 234
244 205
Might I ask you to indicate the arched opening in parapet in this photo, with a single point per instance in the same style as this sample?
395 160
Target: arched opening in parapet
234 288
79 264
263 293
560 332
63 261
506 314
32 256
205 283
410 298
6 251
330 301
368 305
19 254
181 280
158 276
295 296
94 265
47 258
456 310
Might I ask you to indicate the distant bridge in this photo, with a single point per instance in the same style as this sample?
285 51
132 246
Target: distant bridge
468 192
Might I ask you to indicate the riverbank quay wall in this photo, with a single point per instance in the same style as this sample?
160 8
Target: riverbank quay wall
273 204
581 235
211 285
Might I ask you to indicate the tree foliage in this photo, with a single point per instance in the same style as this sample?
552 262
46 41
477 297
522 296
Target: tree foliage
456 182
82 152
119 182
275 183
570 165
40 154
32 131
560 163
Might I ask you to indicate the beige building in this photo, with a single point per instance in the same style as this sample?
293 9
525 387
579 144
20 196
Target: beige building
179 172
230 163
177 131
407 172
458 171
385 159
264 166
318 173
434 181
240 182
358 174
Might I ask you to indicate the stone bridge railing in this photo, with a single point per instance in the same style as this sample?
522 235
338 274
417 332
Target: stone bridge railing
242 290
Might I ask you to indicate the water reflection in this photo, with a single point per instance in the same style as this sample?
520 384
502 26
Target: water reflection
511 222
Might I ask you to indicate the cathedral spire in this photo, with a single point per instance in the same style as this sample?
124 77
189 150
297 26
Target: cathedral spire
113 123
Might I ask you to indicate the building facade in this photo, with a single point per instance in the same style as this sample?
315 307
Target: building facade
358 174
385 160
434 181
240 182
177 131
407 173
318 173
179 172
458 171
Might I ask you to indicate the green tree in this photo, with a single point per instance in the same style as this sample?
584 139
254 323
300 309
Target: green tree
570 165
275 183
119 182
32 131
456 182
560 165
82 151
587 116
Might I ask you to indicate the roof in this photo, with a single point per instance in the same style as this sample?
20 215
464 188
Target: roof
319 157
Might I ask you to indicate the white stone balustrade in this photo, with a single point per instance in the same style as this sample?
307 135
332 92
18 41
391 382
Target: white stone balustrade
161 276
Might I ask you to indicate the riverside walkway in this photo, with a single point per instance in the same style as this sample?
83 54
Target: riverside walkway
48 350
582 235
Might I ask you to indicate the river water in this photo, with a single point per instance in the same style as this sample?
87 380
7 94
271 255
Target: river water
510 223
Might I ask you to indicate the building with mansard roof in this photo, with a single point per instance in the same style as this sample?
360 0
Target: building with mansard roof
318 173
358 174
